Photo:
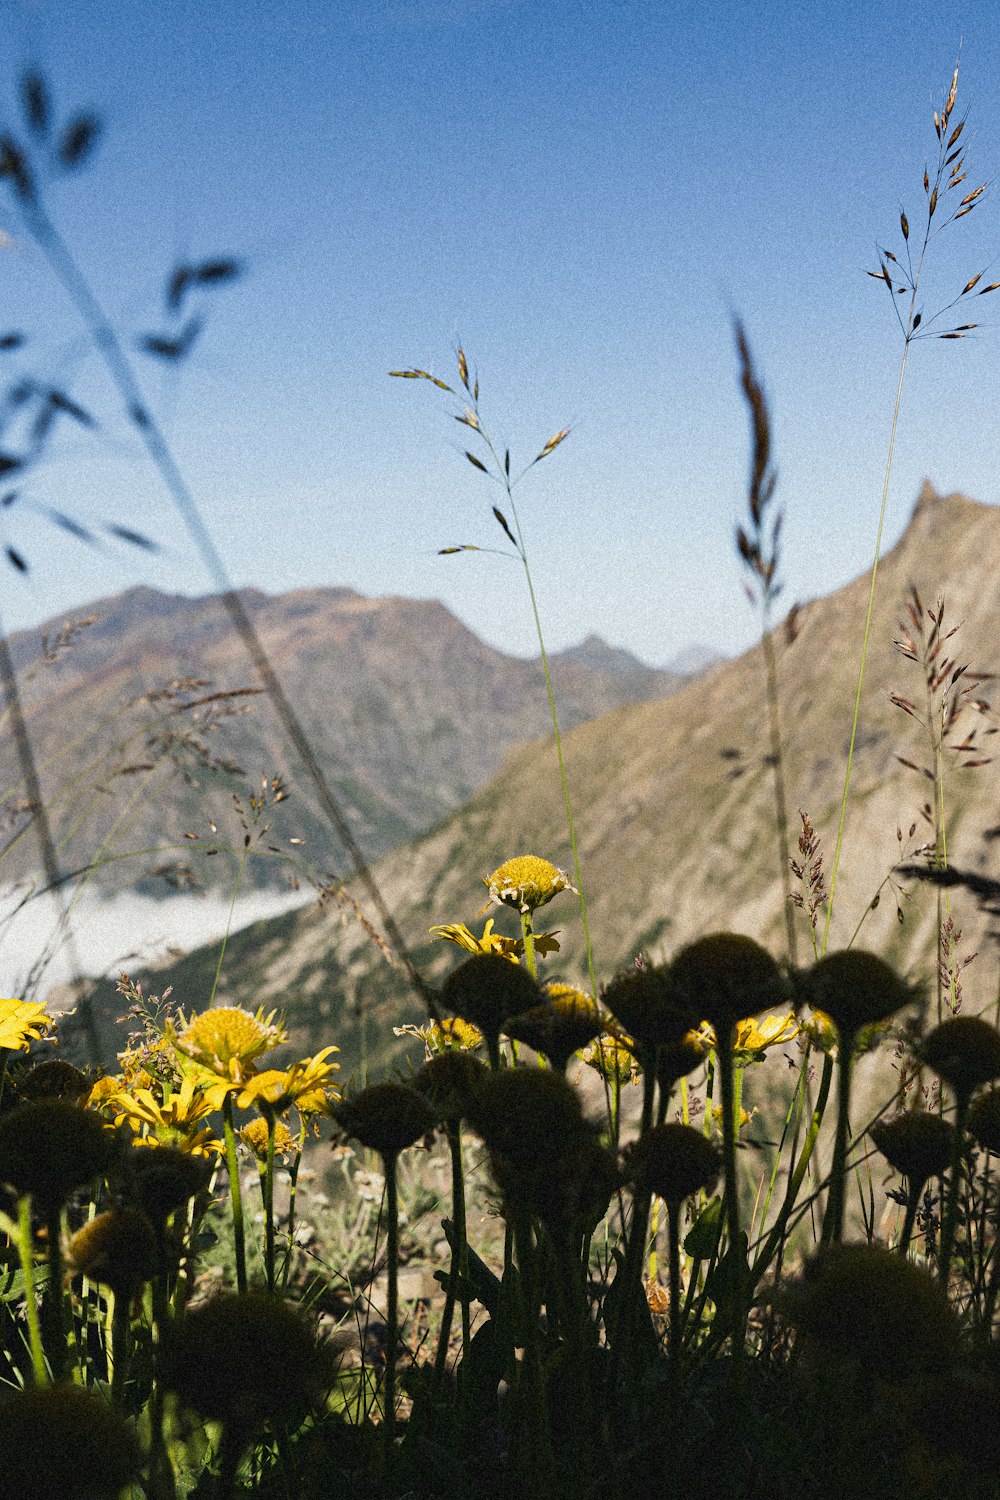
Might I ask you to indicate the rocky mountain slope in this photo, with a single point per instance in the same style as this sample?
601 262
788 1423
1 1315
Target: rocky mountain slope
675 814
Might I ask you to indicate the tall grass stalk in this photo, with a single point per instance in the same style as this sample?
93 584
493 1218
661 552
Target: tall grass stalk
901 276
500 472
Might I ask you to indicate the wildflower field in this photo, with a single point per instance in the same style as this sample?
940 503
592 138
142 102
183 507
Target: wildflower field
555 1257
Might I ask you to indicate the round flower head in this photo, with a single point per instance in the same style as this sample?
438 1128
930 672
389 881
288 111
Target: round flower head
448 1082
983 1122
965 1052
544 1155
868 1306
724 978
566 1021
650 1007
165 1177
117 1249
244 1358
854 989
50 1147
54 1079
569 1189
254 1137
526 883
60 1441
227 1040
487 990
522 1113
916 1144
385 1117
673 1161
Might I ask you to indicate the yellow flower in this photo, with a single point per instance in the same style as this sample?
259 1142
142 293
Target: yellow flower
22 1022
613 1057
444 1035
527 882
494 942
490 942
752 1037
307 1084
173 1120
227 1040
254 1137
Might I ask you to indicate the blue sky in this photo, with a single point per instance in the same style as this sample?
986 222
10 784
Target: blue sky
581 193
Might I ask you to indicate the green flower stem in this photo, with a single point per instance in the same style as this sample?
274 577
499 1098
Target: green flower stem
949 1218
459 1255
676 1311
648 1087
25 1250
780 802
121 1346
532 1416
56 1298
267 1184
730 1130
993 1285
162 1485
293 1181
867 631
776 1238
528 934
833 1222
913 1194
392 1315
235 1194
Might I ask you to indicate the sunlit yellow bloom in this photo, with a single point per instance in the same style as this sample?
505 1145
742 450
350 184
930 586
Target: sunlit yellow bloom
753 1036
441 1036
822 1033
611 1056
494 942
308 1084
104 1094
227 1040
527 882
175 1120
745 1116
254 1137
22 1022
490 942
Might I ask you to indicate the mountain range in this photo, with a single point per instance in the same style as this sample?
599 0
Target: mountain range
143 715
674 805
